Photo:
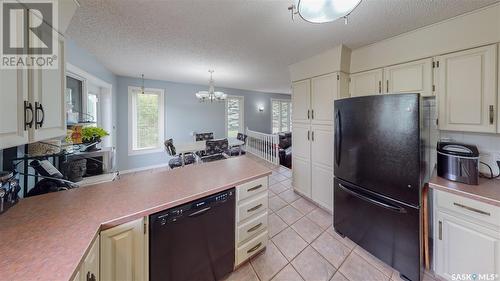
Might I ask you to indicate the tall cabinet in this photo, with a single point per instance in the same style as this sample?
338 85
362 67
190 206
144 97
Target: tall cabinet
312 137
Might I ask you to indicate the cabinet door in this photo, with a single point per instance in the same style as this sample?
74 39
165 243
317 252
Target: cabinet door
322 186
78 276
301 135
412 77
465 248
322 146
123 252
466 88
324 90
47 87
301 101
366 83
301 175
90 267
13 94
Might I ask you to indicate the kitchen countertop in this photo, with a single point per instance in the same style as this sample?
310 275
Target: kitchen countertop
488 191
46 237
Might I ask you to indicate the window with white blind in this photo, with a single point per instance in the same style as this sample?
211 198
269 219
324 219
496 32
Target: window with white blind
146 113
234 116
281 115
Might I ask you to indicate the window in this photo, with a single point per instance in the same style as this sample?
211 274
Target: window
146 120
281 115
234 116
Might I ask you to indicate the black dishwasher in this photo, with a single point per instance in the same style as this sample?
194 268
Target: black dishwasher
194 241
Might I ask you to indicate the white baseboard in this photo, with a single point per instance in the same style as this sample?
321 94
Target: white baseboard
143 168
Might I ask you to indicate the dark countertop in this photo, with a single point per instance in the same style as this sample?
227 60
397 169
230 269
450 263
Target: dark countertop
46 237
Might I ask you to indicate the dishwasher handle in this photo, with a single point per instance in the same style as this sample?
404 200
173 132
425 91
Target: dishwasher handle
199 212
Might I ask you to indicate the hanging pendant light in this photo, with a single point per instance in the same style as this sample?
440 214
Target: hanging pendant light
323 11
210 95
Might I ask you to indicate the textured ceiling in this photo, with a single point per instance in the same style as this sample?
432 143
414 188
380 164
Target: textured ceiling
249 43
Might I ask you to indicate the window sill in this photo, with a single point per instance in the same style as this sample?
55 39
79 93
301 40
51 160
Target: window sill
144 151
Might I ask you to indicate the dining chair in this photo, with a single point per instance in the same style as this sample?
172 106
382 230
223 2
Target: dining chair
203 137
215 150
238 150
176 160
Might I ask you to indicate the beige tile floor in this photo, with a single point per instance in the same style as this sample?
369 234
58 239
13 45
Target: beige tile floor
303 245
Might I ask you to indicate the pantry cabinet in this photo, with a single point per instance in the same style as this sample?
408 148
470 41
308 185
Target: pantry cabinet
412 77
366 83
312 138
466 236
124 252
466 89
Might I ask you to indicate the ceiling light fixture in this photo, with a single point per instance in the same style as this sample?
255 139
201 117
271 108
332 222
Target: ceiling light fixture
323 11
211 95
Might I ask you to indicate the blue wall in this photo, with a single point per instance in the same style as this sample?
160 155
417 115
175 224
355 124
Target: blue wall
184 114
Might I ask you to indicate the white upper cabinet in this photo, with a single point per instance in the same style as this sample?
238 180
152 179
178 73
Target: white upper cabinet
412 77
301 101
466 89
325 89
13 96
366 83
48 95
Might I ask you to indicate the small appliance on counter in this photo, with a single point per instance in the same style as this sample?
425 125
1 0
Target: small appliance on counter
9 189
458 162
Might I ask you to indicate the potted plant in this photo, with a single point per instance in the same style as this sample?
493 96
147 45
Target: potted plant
93 136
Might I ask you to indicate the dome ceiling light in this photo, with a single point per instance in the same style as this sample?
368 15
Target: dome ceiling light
323 11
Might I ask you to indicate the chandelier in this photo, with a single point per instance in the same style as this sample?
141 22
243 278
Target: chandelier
211 95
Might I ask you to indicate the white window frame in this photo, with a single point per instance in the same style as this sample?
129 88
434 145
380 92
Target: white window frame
132 133
289 115
242 113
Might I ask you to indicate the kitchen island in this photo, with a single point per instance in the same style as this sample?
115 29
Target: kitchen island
46 237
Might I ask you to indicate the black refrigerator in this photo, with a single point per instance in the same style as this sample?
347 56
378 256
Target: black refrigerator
380 168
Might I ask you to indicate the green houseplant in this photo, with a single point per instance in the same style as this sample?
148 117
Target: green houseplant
93 134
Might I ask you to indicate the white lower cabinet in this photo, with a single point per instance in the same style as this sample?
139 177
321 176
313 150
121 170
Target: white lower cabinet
124 252
313 167
251 219
89 270
464 244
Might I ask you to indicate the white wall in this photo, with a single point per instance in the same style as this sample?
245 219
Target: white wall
470 30
335 59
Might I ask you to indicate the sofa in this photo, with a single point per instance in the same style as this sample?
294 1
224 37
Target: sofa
285 149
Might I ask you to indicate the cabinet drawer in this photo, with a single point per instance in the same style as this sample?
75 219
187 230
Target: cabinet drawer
472 208
252 207
250 248
251 228
250 188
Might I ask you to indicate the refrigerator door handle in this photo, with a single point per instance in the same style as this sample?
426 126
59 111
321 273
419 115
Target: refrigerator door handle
337 138
372 200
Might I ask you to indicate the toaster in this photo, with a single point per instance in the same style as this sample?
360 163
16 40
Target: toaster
458 162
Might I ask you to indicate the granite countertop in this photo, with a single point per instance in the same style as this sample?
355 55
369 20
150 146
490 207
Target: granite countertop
46 237
488 191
